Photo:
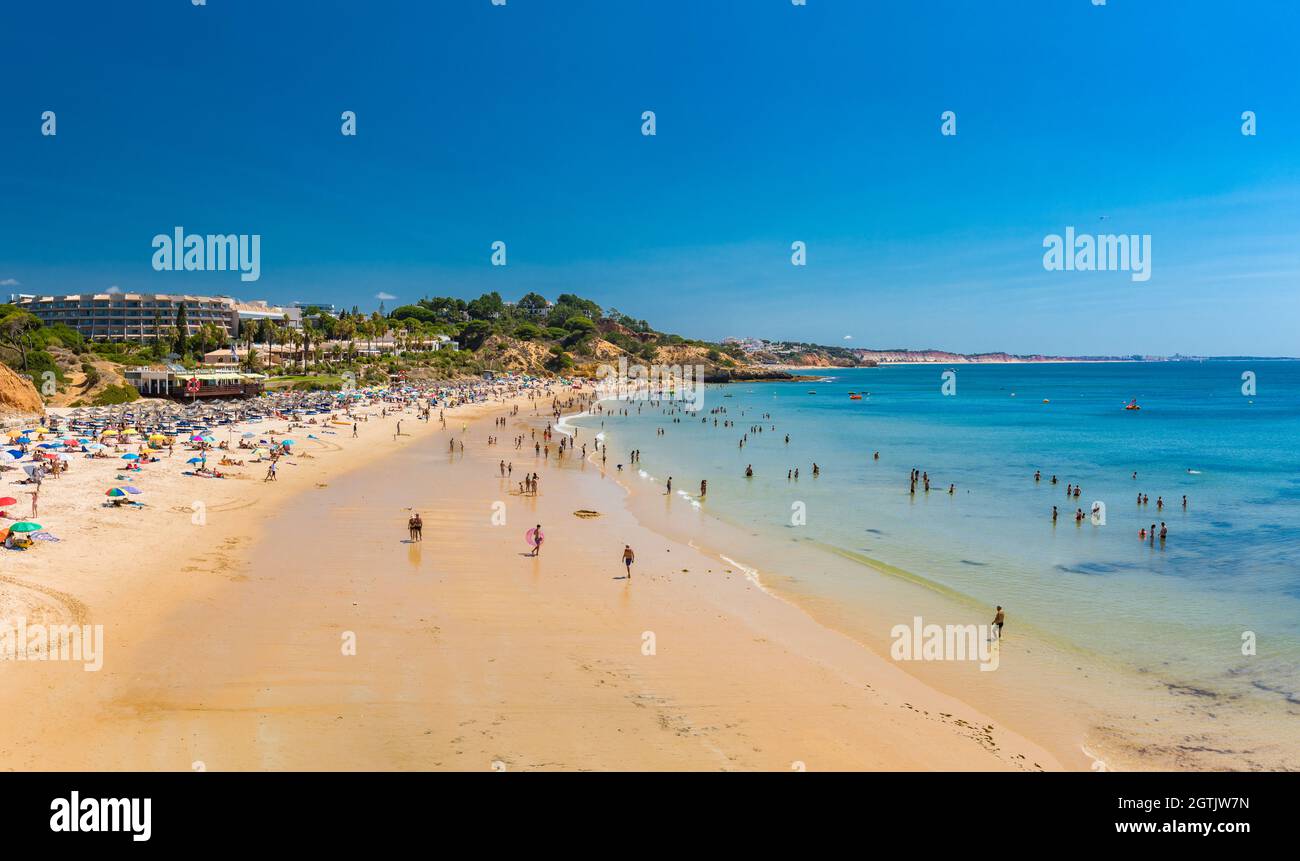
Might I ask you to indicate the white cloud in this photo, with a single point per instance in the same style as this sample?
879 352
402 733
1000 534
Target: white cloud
114 289
385 297
848 337
9 282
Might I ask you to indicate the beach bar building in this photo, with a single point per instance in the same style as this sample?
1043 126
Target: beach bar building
175 381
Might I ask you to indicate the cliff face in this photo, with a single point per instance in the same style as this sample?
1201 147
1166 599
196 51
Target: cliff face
18 395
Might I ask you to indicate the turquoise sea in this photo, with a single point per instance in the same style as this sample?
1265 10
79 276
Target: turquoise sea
1188 611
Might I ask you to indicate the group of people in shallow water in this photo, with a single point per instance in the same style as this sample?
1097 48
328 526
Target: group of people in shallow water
923 477
1144 534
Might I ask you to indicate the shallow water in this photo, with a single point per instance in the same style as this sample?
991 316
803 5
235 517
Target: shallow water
1176 612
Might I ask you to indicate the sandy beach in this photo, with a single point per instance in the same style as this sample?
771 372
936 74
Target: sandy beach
294 626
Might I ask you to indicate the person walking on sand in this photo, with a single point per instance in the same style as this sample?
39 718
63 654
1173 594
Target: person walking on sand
270 472
416 525
537 540
628 558
998 619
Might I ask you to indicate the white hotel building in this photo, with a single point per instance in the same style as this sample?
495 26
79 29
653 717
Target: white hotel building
141 316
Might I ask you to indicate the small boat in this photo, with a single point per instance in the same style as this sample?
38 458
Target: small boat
1046 401
812 391
1133 405
854 397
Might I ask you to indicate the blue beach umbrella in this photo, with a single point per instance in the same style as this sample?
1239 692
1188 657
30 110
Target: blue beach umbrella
195 460
130 457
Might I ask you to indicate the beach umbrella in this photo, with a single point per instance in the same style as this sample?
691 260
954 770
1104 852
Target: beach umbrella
96 446
195 460
8 500
25 526
287 442
6 457
15 453
24 439
130 488
115 492
130 456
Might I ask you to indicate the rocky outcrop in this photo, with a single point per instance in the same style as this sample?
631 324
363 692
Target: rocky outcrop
17 395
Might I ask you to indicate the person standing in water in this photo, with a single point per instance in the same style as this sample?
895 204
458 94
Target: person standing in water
998 619
704 489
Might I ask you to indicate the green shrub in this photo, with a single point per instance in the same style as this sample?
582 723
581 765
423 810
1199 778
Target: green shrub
529 332
112 395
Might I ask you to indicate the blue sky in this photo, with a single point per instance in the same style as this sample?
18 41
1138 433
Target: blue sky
776 123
